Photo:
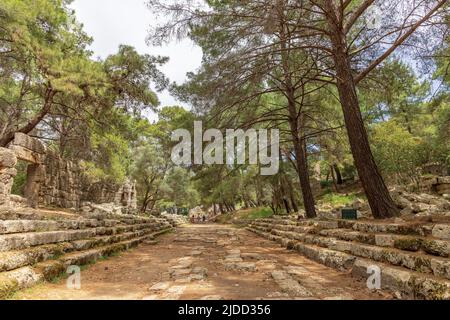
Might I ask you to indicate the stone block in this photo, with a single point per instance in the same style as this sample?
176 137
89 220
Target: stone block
441 231
7 158
384 240
30 143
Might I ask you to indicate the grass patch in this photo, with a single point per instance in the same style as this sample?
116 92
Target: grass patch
337 199
248 214
260 213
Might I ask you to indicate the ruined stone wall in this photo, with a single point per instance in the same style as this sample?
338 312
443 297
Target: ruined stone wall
103 192
100 192
30 150
62 184
53 181
8 161
435 184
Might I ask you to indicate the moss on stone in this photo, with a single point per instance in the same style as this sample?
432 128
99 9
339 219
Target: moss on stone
366 238
410 229
430 290
423 265
433 247
408 244
8 287
291 245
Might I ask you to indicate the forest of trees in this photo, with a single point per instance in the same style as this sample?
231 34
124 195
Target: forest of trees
355 96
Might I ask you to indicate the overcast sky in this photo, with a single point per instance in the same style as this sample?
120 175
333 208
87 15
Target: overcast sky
115 22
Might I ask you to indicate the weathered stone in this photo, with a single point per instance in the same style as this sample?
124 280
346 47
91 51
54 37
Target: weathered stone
19 226
437 247
384 240
431 289
241 267
199 273
277 295
196 253
289 285
160 286
151 242
7 158
252 256
179 273
185 262
441 231
7 173
24 277
328 224
25 240
440 268
408 243
331 258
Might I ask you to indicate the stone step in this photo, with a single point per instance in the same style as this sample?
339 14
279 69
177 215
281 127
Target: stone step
302 229
28 276
334 259
259 227
24 226
424 263
437 230
279 221
410 284
429 245
11 260
331 258
31 214
434 243
18 241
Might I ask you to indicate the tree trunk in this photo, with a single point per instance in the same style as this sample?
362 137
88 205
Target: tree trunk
302 167
380 200
295 123
27 128
146 200
339 179
290 189
286 205
335 185
244 199
294 202
272 206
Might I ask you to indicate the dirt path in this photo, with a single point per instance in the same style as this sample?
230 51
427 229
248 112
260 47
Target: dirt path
207 262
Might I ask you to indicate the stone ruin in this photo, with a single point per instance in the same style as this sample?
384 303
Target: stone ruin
436 184
53 181
199 214
435 169
8 161
40 244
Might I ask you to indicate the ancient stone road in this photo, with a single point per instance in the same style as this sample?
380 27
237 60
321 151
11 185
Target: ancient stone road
207 262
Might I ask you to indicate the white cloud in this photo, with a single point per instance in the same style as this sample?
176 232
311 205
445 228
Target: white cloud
115 22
